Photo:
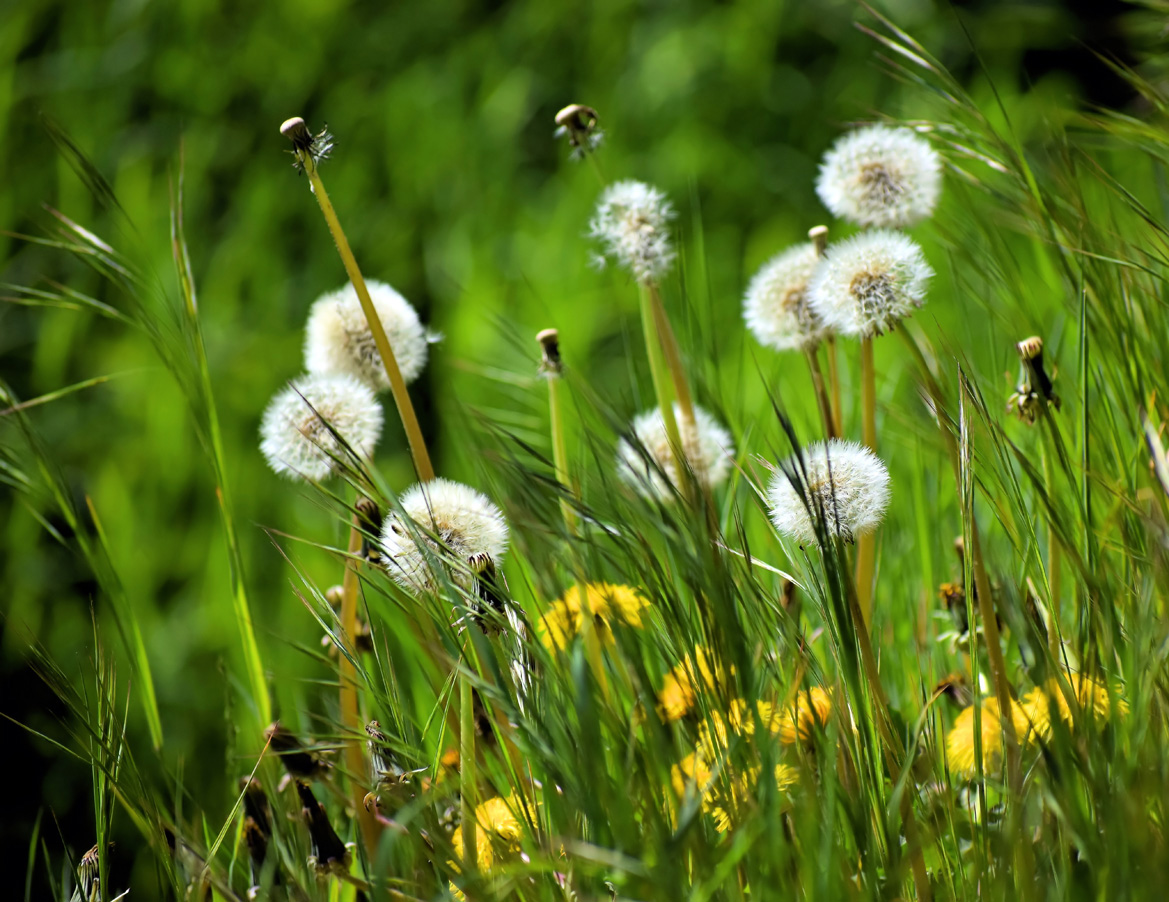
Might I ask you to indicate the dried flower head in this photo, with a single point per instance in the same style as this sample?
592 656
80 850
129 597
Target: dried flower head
866 284
310 150
316 425
632 222
579 124
681 685
880 176
708 448
457 524
338 338
804 717
606 603
1091 697
1035 393
960 740
327 854
776 304
840 485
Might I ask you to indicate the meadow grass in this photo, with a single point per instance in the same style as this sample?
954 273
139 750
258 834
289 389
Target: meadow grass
747 735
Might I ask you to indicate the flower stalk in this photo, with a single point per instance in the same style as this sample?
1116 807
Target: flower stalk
309 150
866 551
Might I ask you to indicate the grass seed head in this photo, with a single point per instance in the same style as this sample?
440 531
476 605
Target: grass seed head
776 304
307 426
881 176
632 223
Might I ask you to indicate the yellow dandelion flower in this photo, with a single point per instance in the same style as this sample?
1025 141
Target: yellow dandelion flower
714 734
500 825
606 602
680 688
691 771
960 741
729 809
810 711
1091 696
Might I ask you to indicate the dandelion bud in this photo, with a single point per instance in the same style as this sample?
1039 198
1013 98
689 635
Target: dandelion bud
632 223
776 305
578 123
840 487
456 523
881 176
1035 393
866 284
314 426
647 462
338 338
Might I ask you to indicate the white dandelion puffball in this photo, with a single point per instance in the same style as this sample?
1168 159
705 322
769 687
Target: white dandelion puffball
338 338
709 450
776 304
307 426
465 521
844 482
880 176
632 222
866 284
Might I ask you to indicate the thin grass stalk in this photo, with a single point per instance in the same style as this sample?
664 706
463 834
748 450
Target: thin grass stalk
347 674
1054 581
467 764
308 162
866 551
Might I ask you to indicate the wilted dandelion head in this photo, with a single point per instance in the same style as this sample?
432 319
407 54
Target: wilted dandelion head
867 284
776 305
1091 697
632 222
880 176
338 338
307 426
842 482
960 740
467 525
708 448
606 603
682 684
807 714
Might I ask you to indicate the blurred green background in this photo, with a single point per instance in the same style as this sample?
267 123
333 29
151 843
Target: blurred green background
451 187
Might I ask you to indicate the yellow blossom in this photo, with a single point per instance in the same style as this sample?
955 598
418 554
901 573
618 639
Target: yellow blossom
1091 696
606 602
713 734
501 824
726 810
811 710
680 688
960 741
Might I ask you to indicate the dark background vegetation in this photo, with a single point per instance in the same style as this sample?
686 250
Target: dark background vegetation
451 187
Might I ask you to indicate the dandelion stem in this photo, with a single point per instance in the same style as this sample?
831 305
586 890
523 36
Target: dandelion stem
467 769
402 400
826 416
673 355
834 378
347 673
866 552
663 388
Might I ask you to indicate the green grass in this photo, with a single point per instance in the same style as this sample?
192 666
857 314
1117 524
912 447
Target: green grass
137 412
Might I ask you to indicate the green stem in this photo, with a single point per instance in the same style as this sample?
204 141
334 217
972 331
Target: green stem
826 416
663 389
467 768
866 552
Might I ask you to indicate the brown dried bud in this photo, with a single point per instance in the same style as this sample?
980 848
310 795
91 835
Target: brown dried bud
578 123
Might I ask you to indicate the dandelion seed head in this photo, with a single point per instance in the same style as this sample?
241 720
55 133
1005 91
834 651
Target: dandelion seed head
880 176
338 338
632 223
776 305
300 429
842 481
866 284
708 448
464 520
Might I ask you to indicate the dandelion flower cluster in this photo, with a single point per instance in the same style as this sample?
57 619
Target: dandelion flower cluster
840 481
466 524
809 713
960 740
881 176
776 305
708 448
606 603
338 338
311 428
632 223
867 284
681 685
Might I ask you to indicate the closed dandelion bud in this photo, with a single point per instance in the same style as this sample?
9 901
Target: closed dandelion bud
317 425
837 488
632 223
327 854
647 463
881 176
469 529
867 284
338 338
776 305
